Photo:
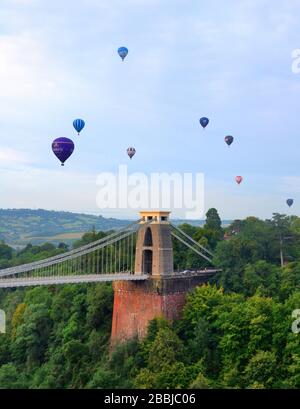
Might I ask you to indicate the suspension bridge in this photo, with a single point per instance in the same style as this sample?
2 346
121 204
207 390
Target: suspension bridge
112 258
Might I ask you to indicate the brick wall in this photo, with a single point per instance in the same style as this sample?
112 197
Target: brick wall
137 303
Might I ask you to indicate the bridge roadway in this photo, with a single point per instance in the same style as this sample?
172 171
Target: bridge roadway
93 278
71 279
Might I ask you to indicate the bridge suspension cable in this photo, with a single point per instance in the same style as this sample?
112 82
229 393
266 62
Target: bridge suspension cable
64 256
192 240
108 259
191 247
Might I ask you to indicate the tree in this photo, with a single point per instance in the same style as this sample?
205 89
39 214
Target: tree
290 279
10 378
261 276
261 370
100 301
280 223
213 220
166 349
5 251
63 246
201 382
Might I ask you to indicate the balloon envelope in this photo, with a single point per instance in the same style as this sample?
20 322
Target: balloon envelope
78 125
131 152
122 51
238 179
204 121
62 149
229 139
290 202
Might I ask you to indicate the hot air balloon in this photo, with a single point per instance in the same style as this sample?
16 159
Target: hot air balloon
78 125
131 152
62 149
229 139
204 122
290 202
122 51
238 179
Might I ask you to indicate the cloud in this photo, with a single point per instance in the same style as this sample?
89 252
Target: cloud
12 157
291 184
32 75
23 69
45 188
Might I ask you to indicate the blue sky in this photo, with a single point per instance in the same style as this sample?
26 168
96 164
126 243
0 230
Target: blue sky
230 61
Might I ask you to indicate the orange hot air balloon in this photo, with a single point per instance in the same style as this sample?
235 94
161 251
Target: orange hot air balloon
238 179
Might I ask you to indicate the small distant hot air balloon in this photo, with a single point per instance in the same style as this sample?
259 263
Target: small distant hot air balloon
229 139
62 149
238 179
290 202
204 122
131 152
122 51
78 125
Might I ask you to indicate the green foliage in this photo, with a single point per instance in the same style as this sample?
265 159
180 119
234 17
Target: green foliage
55 340
261 370
10 377
213 227
234 332
5 251
164 360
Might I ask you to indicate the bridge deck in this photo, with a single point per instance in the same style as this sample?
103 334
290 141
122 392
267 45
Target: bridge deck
75 279
94 278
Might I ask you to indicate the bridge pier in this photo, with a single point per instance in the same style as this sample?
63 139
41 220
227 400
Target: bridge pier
137 303
163 294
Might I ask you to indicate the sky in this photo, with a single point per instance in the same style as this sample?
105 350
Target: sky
230 61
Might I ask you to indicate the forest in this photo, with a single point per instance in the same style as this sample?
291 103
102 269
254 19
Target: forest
235 331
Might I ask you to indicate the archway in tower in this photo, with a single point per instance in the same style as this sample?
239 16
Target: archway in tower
148 238
147 261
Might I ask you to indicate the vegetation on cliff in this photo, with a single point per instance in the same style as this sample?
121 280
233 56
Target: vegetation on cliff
235 332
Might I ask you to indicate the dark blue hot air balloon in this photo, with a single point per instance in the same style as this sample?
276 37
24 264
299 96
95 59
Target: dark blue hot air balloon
78 125
62 149
204 122
290 202
229 139
122 51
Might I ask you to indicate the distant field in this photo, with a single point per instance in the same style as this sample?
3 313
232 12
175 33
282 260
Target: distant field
62 236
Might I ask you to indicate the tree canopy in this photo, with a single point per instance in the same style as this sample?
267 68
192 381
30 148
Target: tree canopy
235 331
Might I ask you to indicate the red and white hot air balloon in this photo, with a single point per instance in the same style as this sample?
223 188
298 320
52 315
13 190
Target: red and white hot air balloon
238 179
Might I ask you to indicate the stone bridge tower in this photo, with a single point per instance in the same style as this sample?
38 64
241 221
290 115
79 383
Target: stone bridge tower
163 294
154 251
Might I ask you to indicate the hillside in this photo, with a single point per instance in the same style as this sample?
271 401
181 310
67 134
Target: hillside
21 226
